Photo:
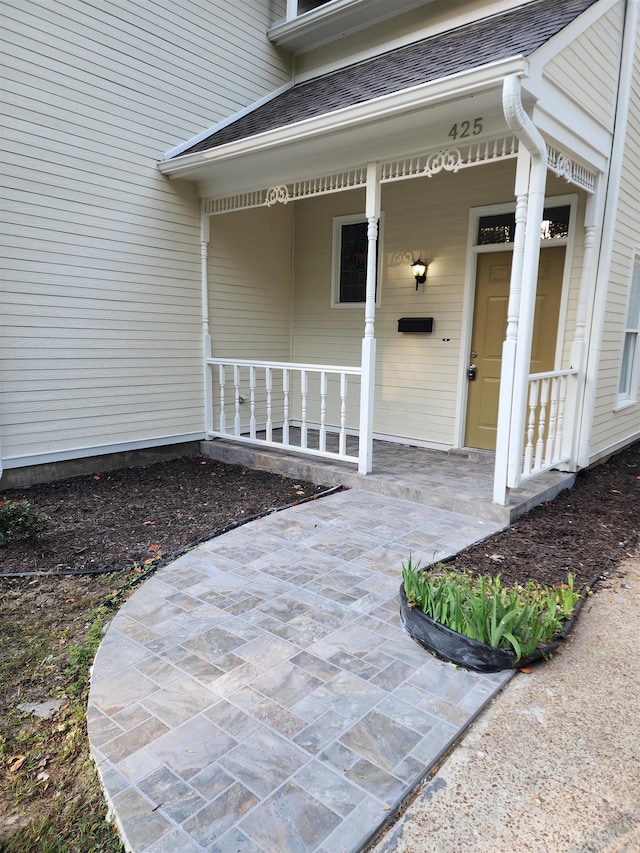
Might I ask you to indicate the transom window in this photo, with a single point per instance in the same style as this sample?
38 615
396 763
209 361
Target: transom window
501 227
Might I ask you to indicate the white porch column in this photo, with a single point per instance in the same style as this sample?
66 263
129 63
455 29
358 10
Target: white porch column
507 368
578 346
531 138
206 336
368 381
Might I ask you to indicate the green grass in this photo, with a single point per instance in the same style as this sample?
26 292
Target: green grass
50 797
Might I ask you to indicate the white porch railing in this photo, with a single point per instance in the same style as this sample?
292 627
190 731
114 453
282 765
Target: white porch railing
547 441
284 405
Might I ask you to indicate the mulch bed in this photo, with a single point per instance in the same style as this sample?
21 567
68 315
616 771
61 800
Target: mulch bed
140 515
582 531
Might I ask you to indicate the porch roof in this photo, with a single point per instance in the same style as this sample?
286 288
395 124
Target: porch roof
515 33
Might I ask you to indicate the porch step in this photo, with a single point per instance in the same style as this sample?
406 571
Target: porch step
432 478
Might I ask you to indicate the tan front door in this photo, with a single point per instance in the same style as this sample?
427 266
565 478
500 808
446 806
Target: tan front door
489 329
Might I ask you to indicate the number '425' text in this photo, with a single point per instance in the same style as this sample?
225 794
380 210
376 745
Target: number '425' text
463 129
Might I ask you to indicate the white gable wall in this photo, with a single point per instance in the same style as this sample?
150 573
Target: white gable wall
615 425
100 305
587 70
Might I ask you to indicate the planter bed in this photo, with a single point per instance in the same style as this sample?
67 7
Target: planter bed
470 653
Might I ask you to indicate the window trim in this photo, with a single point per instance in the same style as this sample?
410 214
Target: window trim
336 251
629 395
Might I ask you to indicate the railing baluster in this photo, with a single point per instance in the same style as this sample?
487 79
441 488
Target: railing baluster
533 405
221 378
553 414
252 397
562 399
285 391
303 394
342 449
323 411
236 387
542 422
268 384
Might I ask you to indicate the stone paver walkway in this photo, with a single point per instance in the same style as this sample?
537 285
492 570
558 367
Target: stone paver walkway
260 693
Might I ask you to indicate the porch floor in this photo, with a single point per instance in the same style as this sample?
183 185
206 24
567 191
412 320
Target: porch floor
456 481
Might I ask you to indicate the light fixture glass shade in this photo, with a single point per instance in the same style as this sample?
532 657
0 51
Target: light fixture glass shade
419 270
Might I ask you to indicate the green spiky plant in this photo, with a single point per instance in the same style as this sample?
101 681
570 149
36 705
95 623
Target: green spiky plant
519 618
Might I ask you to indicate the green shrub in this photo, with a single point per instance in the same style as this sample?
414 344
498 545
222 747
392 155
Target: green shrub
520 618
18 520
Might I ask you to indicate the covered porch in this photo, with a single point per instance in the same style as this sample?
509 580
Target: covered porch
293 368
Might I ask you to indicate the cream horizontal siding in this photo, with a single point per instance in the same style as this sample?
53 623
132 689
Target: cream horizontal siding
588 68
100 317
250 297
613 426
402 29
417 374
250 284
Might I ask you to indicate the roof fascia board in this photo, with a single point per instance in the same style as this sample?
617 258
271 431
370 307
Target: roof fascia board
332 20
174 152
426 94
563 39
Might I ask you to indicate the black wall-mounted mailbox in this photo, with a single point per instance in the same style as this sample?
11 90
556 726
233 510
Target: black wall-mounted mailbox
415 324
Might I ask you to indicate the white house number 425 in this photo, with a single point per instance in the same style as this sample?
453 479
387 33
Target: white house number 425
463 129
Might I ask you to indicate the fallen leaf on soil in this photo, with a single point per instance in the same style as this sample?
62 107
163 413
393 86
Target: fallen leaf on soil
154 547
526 670
95 477
148 522
18 761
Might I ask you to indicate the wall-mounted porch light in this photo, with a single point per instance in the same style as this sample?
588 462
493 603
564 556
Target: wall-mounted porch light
419 270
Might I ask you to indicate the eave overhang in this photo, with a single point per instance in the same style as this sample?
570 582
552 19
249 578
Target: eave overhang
401 121
335 20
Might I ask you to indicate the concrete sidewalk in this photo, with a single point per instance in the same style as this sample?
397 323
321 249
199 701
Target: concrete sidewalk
553 764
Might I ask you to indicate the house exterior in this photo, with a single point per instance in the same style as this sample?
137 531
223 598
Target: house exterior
214 214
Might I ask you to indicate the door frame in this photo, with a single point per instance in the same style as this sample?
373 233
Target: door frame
473 250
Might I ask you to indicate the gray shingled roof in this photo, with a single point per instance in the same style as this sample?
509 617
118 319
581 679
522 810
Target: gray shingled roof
514 33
